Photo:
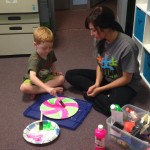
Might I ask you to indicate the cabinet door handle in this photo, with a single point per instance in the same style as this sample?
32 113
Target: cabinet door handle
15 28
14 18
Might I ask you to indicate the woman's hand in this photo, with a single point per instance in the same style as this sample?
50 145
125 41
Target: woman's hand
94 92
91 89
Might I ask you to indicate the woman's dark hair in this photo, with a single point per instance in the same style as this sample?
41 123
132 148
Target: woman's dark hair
103 17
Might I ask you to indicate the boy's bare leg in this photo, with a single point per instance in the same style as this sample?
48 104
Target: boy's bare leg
55 83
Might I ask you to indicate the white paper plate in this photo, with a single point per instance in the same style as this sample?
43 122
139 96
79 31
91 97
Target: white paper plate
48 133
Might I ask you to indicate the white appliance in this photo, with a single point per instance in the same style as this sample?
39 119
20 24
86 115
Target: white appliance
18 18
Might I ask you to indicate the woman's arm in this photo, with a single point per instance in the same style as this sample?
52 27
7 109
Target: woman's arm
99 76
124 80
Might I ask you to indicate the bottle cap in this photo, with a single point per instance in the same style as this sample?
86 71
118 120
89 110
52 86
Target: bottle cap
100 126
112 107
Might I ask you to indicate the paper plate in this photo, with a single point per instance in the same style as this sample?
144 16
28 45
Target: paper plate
36 135
53 108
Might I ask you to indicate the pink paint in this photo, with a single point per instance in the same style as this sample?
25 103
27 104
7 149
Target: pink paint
37 138
100 137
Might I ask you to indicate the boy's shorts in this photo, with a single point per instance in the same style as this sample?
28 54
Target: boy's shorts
49 77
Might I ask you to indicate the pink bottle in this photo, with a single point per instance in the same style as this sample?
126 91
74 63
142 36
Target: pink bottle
100 136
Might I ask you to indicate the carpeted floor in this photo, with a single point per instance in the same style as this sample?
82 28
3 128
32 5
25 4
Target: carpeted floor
73 47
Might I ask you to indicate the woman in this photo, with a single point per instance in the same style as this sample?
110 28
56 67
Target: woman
116 79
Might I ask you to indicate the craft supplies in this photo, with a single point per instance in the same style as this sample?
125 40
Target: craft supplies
116 114
136 128
41 122
132 115
128 126
49 132
100 137
115 107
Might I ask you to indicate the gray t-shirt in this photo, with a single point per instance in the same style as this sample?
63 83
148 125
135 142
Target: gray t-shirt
118 57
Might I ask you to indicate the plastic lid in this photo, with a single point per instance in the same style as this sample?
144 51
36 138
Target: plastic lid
100 126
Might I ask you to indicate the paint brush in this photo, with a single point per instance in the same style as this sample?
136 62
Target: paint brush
60 101
41 122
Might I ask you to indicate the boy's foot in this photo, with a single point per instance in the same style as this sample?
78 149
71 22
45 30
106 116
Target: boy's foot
33 96
59 90
29 97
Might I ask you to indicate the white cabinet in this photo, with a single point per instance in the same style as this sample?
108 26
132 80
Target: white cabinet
18 6
141 35
18 18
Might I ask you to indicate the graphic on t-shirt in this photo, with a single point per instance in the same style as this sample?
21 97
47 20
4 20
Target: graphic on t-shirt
43 73
108 66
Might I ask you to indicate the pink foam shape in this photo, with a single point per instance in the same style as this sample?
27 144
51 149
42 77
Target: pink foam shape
50 112
46 103
47 112
64 113
71 104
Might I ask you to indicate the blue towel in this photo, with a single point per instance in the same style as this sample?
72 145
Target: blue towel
71 123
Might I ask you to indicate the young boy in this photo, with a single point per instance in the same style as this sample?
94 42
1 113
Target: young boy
41 75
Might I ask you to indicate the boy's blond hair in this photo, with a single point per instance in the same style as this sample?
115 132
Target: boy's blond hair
43 34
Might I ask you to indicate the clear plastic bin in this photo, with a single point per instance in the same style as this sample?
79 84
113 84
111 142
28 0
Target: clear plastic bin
124 138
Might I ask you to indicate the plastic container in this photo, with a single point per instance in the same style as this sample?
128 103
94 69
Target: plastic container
124 138
100 137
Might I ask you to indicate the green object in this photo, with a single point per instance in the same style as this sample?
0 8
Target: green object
46 125
115 107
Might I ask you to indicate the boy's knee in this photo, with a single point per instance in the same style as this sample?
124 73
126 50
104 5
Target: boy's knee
62 79
23 88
